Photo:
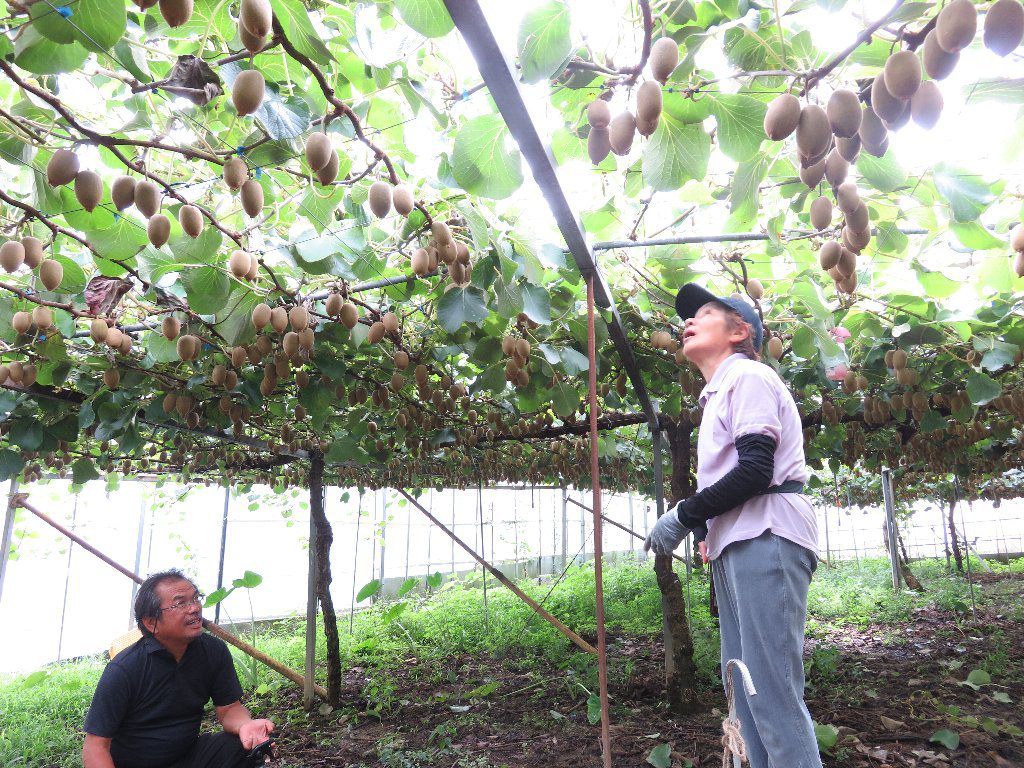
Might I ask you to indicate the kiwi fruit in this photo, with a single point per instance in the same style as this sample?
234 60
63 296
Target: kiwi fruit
254 268
857 239
1018 264
191 220
187 346
1017 237
648 102
420 262
252 198
260 316
239 264
812 175
247 91
755 289
379 198
279 319
843 111
238 356
926 105
12 255
956 25
255 16
899 359
1004 26
828 255
33 251
51 274
836 168
176 12
42 317
599 114
902 74
858 218
376 332
333 305
849 148
98 329
664 58
885 105
111 378
298 316
821 213
147 198
621 132
938 64
902 119
235 173
599 144
170 327
88 189
847 264
441 232
646 127
349 315
402 200
114 337
230 381
62 168
813 133
401 360
21 321
329 172
782 116
318 151
878 150
158 230
872 132
253 43
122 192
775 347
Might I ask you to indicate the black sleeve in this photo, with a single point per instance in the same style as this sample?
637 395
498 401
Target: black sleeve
751 477
110 703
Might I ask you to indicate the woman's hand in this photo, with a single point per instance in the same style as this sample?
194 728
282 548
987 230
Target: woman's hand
702 547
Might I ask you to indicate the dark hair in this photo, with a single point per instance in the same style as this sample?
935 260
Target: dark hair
736 322
147 602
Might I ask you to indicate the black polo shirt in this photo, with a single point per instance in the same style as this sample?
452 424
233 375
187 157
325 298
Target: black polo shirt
151 705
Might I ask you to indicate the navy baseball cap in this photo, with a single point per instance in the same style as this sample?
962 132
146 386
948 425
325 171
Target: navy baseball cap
692 297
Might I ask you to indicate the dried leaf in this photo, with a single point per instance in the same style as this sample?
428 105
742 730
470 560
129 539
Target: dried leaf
892 725
103 294
193 78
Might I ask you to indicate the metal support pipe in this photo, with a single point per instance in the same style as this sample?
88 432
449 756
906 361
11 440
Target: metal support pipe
138 554
890 526
8 533
579 641
595 484
223 549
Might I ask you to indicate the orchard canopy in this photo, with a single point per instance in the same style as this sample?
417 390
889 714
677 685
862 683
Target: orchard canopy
236 235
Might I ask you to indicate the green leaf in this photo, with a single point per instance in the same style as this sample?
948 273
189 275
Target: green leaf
295 20
249 580
982 389
207 289
428 17
460 306
121 241
977 678
51 24
826 735
98 24
947 738
27 434
483 691
408 586
485 161
11 464
593 709
967 193
368 590
883 173
544 44
509 299
743 193
740 124
83 470
564 399
1002 697
35 54
537 303
434 580
1007 91
217 596
393 612
974 236
675 153
661 756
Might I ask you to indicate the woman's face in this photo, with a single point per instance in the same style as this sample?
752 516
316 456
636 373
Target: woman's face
709 334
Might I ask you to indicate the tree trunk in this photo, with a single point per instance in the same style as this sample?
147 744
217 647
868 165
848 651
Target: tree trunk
680 669
324 539
954 540
904 562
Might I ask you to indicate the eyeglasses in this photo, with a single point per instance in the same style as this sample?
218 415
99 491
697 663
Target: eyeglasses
181 605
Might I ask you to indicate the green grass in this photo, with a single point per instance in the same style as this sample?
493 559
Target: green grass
41 715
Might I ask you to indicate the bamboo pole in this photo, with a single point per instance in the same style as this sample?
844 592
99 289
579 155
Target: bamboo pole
21 500
502 577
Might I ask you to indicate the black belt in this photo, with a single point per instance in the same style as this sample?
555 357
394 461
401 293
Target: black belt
789 486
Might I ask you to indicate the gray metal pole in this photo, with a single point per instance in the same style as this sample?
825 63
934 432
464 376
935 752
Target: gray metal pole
945 536
629 499
967 559
890 522
355 566
8 534
138 556
383 534
565 528
308 693
223 549
67 580
828 550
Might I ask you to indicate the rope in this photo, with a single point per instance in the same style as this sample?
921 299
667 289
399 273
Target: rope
732 742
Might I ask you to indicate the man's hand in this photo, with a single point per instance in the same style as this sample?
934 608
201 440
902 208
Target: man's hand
666 535
254 732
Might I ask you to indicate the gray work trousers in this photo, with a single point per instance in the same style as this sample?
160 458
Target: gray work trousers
761 585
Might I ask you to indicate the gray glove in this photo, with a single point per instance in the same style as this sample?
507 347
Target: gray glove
667 534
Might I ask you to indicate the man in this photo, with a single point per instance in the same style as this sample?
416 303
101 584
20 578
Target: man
761 530
149 702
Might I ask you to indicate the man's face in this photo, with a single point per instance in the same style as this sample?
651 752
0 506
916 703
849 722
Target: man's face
181 612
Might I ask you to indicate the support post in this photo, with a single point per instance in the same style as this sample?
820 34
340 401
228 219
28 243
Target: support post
890 527
8 533
138 557
67 581
223 548
502 577
565 528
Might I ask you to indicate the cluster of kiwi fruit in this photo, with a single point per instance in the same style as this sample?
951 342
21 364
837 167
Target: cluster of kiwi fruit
250 191
1016 243
616 134
28 252
517 363
175 12
249 88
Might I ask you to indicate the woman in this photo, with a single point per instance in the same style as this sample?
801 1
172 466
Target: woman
752 522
